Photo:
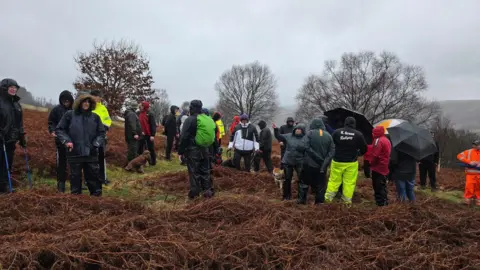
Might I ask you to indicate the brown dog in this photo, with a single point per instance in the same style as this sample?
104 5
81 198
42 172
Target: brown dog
139 162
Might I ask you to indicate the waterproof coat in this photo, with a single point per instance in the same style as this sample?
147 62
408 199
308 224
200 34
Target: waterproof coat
170 122
404 167
266 139
286 129
244 137
294 146
132 125
349 142
82 128
58 111
11 116
102 112
319 146
381 150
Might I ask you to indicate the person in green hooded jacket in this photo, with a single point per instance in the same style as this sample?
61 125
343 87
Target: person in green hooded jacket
319 151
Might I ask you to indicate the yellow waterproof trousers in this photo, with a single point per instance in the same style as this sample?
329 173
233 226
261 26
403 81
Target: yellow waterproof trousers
345 174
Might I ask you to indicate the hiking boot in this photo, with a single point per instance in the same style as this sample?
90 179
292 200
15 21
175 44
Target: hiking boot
106 182
286 199
434 189
423 187
468 201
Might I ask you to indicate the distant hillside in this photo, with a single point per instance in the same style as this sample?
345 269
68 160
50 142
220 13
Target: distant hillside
465 114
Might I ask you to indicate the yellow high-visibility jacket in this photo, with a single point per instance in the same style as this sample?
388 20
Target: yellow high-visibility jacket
221 128
102 112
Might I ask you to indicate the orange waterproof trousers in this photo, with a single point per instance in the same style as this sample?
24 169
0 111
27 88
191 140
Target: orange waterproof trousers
472 187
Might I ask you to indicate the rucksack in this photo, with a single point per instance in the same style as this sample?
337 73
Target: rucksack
205 131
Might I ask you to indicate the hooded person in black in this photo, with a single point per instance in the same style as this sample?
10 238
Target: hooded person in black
428 166
294 155
11 128
65 104
170 130
285 129
82 133
265 151
197 157
349 144
319 150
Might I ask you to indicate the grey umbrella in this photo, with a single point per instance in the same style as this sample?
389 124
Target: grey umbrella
412 140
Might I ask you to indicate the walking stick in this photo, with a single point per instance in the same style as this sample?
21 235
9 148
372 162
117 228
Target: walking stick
8 168
29 174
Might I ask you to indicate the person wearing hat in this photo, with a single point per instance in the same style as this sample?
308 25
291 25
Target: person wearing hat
11 128
265 148
198 134
133 129
170 130
285 129
65 104
102 112
82 133
471 158
244 141
149 128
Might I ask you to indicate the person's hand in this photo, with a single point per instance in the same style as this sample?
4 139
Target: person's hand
473 163
136 137
69 146
152 138
143 133
281 143
274 126
53 134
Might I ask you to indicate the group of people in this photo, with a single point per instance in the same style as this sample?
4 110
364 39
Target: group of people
79 127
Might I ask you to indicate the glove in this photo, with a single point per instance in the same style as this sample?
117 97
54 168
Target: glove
230 145
23 141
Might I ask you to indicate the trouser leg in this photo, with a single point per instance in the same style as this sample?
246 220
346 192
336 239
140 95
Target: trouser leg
401 189
61 168
132 150
320 187
304 182
287 186
4 169
335 180
256 162
379 183
247 158
350 175
102 165
422 168
168 149
267 159
92 177
151 149
237 158
76 178
432 175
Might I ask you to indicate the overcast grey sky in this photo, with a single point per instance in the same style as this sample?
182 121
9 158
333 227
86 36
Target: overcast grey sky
191 42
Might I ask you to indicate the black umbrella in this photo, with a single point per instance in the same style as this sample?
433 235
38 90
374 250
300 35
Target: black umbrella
336 118
412 140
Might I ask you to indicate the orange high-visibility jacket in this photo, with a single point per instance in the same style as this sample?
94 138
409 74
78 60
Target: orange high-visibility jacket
468 156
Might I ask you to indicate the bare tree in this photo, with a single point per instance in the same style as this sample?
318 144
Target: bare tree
451 141
161 106
119 69
380 87
248 89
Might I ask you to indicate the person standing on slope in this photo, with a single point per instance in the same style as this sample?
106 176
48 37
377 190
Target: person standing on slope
83 133
471 157
285 129
378 160
244 142
349 144
198 134
170 130
428 166
319 151
149 129
11 128
133 130
294 155
265 151
65 104
102 112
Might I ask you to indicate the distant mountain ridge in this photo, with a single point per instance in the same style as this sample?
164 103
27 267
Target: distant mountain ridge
465 114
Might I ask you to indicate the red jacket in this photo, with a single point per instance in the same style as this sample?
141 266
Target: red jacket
381 148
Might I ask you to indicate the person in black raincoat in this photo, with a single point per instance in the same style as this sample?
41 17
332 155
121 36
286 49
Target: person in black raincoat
196 156
265 151
319 151
133 130
294 155
65 104
11 128
285 129
170 130
82 133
